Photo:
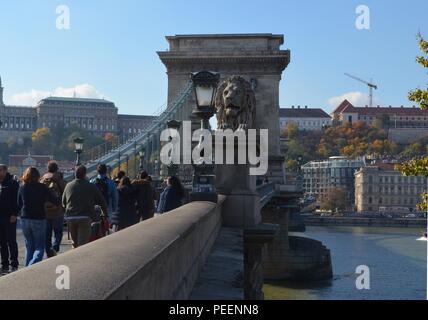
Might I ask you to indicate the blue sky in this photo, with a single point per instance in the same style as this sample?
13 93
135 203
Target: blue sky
110 50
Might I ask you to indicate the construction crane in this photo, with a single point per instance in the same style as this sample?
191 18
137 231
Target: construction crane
370 85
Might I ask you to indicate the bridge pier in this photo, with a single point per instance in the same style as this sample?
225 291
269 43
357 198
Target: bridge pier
292 256
241 209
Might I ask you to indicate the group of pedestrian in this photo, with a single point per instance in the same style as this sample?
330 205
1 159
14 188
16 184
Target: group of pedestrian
91 208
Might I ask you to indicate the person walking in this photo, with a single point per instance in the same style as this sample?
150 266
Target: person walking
171 198
145 196
79 200
8 212
119 176
54 214
32 197
107 187
126 214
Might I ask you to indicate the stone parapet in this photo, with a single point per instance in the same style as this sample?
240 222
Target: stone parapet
160 258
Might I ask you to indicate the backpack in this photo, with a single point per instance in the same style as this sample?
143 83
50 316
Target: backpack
102 185
52 210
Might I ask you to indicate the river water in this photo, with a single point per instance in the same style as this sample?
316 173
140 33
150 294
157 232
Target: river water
397 262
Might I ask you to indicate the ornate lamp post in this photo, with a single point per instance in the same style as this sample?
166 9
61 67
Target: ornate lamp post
127 165
156 170
78 149
205 86
141 155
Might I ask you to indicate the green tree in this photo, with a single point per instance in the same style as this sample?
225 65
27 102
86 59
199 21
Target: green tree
419 167
420 96
292 165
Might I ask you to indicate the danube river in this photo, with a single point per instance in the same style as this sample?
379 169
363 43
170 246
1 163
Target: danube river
396 259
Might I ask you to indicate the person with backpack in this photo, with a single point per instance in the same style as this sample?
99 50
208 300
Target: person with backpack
8 213
145 196
126 214
54 214
172 196
79 200
32 197
107 187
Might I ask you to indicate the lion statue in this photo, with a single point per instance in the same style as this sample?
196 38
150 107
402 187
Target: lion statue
236 104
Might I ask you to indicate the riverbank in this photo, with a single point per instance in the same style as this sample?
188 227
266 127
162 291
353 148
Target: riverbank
361 221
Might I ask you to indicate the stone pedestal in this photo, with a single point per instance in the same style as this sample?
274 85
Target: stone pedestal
276 172
255 239
242 205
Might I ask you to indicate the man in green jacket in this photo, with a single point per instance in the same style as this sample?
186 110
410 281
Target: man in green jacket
79 200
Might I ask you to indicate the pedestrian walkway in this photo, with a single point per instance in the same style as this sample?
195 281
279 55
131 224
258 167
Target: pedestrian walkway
65 246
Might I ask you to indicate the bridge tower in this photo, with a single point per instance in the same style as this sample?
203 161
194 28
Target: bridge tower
256 57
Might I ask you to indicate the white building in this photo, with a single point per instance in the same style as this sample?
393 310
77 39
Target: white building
305 118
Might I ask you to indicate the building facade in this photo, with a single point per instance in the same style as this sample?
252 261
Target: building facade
98 116
312 119
336 172
404 124
394 117
381 189
18 163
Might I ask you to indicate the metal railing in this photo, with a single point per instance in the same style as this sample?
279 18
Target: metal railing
133 145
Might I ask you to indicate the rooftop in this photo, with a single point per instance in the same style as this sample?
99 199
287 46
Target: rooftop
346 106
70 99
227 35
135 116
303 113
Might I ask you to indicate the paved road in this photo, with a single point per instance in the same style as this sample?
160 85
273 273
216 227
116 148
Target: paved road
65 245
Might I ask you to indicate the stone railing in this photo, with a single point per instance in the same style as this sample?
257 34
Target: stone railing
266 191
160 258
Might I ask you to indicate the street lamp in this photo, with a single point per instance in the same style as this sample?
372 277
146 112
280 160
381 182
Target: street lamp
156 169
205 86
141 154
127 165
78 149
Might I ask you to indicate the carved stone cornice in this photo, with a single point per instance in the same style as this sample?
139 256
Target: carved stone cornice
269 61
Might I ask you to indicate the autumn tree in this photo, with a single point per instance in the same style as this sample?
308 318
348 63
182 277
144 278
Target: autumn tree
419 166
42 141
335 200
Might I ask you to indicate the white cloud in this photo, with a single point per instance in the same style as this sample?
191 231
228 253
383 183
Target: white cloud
358 99
30 98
